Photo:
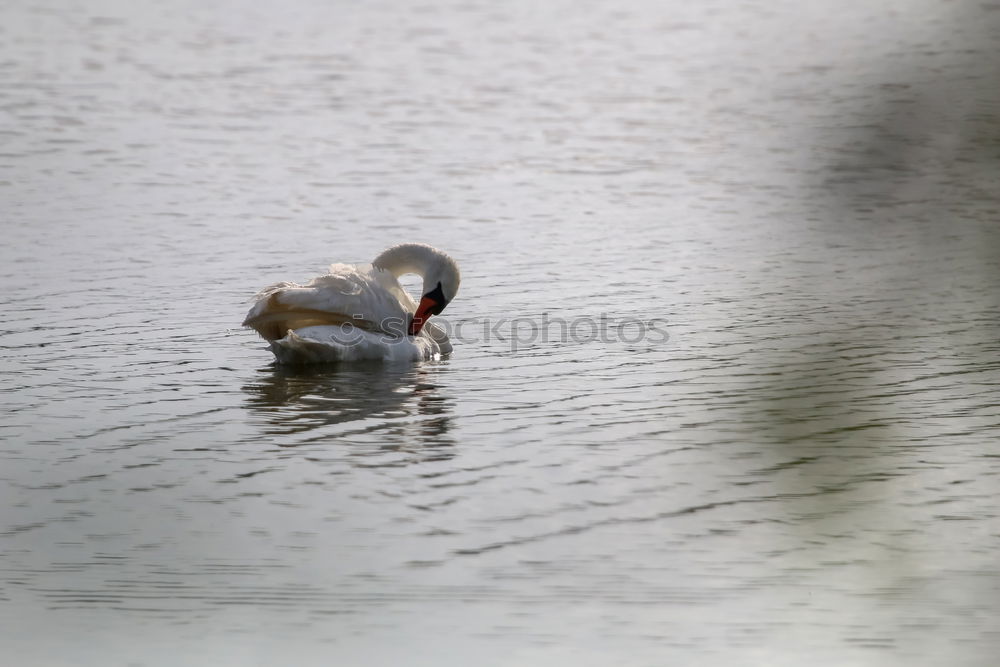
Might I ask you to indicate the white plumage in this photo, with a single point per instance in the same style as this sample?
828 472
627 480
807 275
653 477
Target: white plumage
357 312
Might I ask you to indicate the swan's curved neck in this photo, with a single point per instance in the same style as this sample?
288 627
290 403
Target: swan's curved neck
409 258
439 271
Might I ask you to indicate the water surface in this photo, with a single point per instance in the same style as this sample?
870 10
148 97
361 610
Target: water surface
799 467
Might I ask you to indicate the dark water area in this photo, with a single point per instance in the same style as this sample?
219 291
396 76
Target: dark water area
726 348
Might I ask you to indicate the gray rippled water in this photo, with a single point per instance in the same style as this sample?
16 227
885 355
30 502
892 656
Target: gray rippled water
725 384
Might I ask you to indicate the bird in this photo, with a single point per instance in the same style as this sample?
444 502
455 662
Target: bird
360 312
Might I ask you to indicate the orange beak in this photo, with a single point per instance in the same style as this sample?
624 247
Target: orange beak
427 307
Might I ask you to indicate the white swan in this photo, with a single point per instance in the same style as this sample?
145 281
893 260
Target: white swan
360 311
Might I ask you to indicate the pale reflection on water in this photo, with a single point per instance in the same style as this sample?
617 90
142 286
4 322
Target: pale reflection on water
401 402
801 470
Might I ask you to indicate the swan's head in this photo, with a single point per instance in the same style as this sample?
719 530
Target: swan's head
439 271
440 287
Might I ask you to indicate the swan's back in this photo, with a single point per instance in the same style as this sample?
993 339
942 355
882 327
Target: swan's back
365 297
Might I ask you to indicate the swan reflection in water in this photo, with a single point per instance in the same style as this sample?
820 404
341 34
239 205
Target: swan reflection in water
396 406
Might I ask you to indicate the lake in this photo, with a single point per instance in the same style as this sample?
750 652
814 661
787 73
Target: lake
724 387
